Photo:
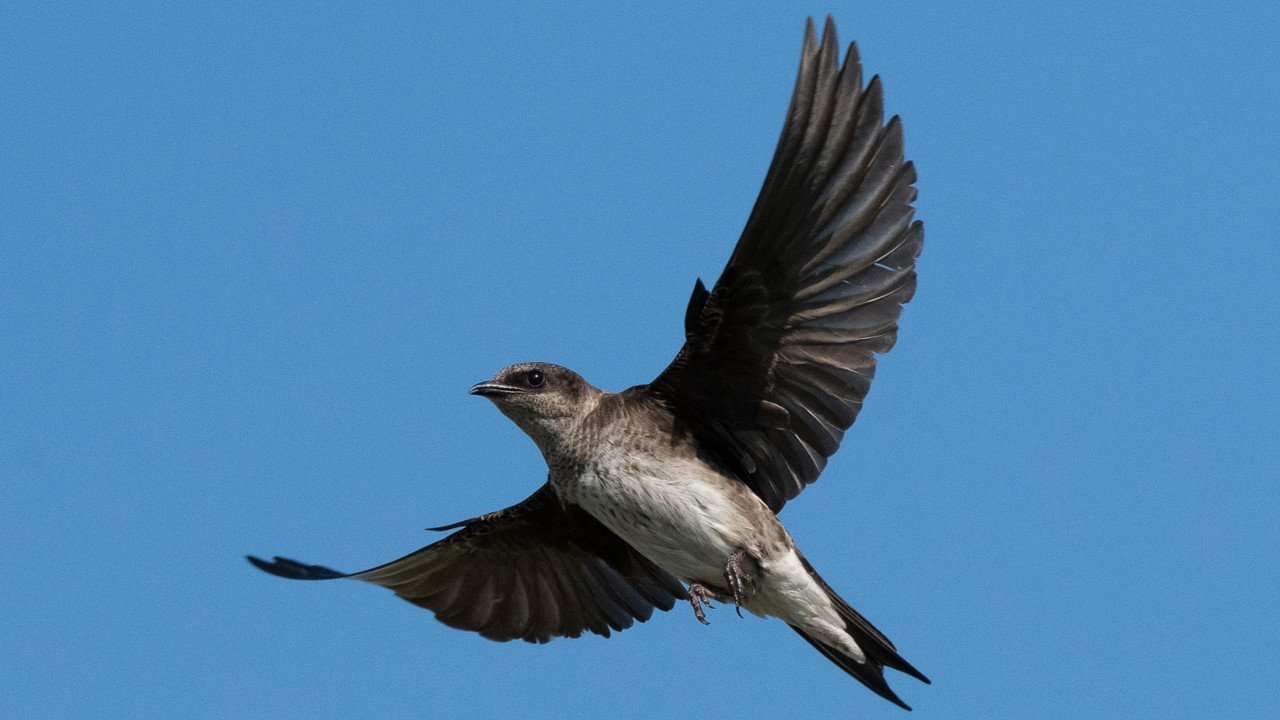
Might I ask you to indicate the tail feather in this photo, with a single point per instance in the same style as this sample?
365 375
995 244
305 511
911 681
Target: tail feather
869 673
880 652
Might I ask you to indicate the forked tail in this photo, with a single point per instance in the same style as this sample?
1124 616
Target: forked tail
880 653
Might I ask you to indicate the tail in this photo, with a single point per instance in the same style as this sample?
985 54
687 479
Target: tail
880 653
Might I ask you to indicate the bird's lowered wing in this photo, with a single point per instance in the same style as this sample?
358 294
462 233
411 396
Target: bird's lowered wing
536 570
780 354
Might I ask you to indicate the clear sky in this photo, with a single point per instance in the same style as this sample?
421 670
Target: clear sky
251 259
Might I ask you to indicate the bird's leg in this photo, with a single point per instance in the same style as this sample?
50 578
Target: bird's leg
699 596
737 578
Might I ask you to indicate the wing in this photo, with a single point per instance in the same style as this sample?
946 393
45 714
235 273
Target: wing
780 354
534 571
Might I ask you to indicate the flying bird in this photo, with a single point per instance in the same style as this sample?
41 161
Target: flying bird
669 491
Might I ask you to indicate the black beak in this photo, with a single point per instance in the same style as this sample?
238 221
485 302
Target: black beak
489 388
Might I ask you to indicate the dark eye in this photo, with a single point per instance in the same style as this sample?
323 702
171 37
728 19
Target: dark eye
534 378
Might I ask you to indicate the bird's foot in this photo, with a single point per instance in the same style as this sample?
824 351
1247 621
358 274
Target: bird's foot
699 596
738 579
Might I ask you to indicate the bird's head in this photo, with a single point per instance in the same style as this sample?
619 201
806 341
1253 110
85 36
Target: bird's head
544 400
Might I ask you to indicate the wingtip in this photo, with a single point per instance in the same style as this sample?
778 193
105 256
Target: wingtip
292 569
851 54
829 32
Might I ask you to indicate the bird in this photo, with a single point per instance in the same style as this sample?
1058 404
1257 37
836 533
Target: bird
669 492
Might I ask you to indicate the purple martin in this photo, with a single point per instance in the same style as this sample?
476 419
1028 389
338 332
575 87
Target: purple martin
678 482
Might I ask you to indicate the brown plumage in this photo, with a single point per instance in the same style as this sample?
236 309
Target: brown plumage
536 570
779 356
681 479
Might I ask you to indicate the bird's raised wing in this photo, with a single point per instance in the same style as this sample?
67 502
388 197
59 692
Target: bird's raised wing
536 570
780 354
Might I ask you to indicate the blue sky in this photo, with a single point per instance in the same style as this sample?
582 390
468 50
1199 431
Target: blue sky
252 258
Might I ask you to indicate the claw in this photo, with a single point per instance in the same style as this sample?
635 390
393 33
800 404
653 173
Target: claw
734 576
699 596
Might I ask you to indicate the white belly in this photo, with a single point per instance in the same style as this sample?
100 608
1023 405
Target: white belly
677 514
680 515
